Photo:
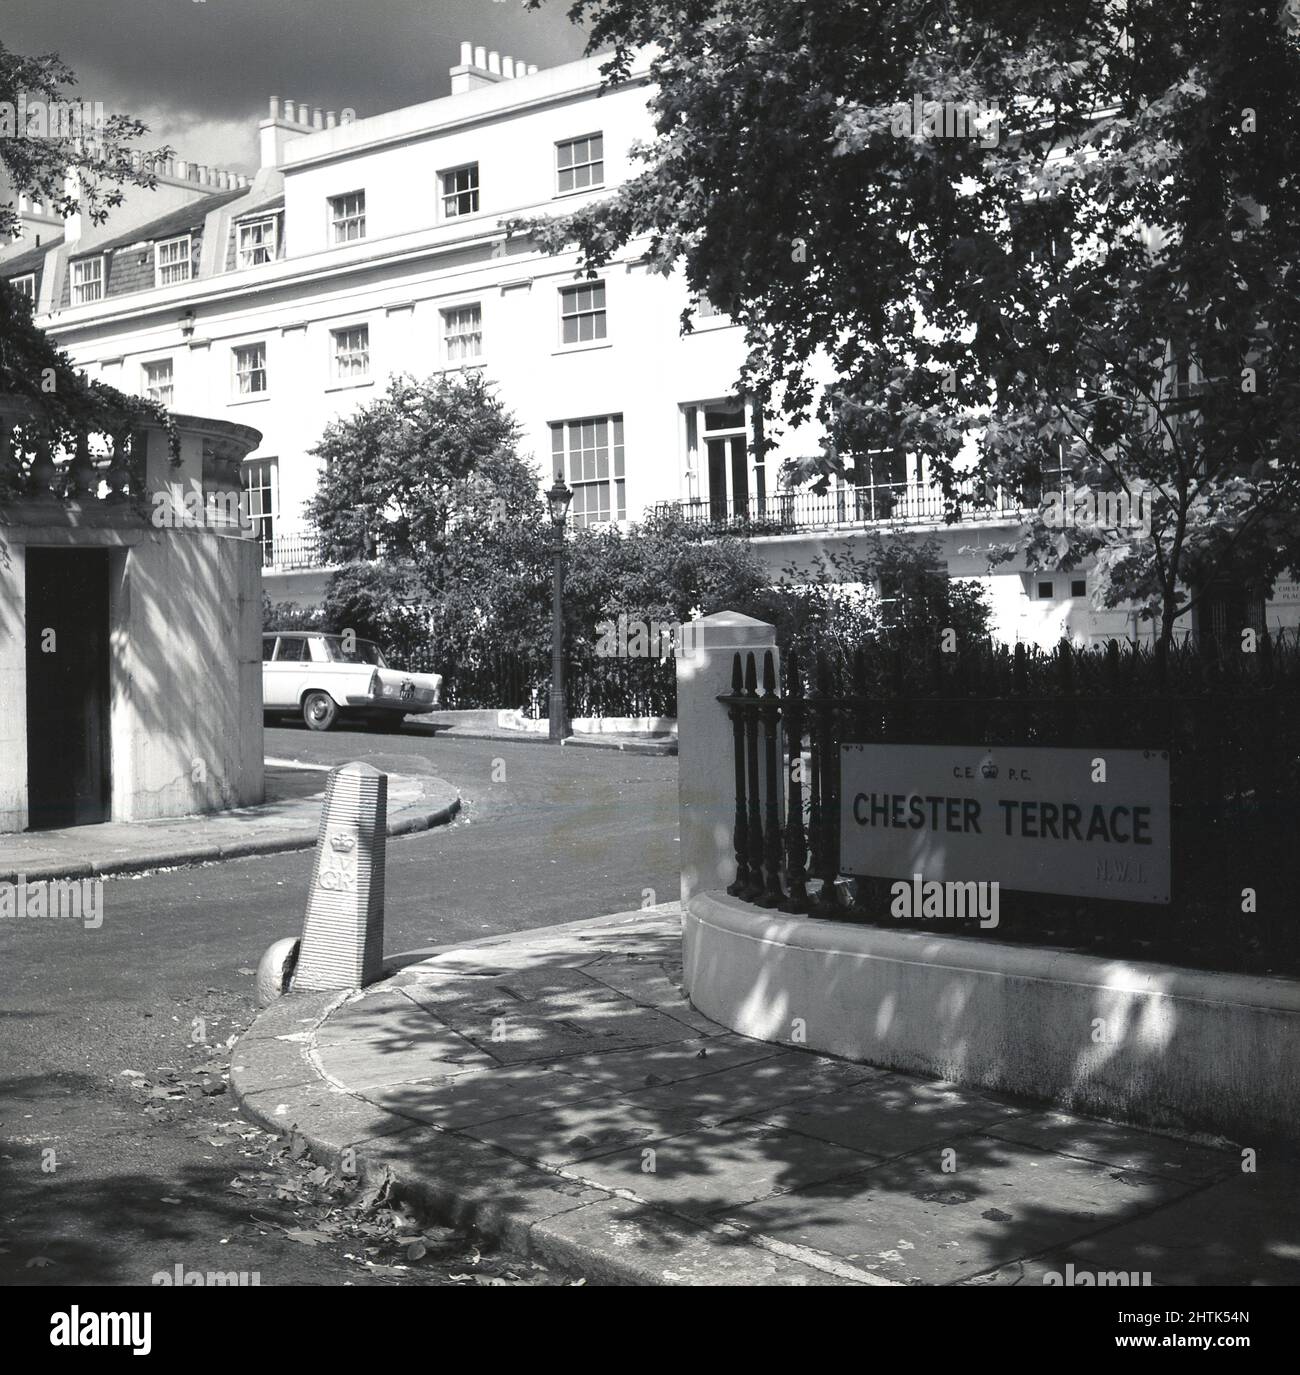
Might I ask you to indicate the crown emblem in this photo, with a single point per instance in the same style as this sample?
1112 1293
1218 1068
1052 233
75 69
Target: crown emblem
343 844
989 769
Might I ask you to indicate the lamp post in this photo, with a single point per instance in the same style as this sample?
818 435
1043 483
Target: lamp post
558 499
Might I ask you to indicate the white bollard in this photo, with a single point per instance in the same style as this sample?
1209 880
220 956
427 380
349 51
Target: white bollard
343 933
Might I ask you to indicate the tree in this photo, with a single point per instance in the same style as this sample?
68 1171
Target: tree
84 174
428 477
1098 283
401 473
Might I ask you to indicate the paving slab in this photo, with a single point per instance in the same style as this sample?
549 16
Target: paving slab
890 1115
706 1172
649 1067
1124 1147
457 1101
758 1087
580 1131
550 1091
916 1222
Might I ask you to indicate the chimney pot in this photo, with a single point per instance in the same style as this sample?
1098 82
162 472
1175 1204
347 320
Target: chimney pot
508 67
494 63
275 107
467 54
304 113
532 69
318 118
480 56
331 119
289 112
182 169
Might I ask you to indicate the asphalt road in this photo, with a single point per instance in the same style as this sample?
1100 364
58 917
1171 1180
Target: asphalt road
120 1153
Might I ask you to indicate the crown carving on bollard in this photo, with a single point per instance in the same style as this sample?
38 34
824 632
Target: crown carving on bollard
343 931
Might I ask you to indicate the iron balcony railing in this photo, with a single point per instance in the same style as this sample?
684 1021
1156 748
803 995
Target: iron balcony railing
845 507
285 553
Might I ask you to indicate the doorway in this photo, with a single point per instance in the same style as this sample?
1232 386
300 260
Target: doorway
68 761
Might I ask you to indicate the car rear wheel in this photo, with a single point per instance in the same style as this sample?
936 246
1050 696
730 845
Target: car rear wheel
319 710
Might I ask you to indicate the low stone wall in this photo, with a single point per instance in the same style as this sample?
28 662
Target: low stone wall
1144 1043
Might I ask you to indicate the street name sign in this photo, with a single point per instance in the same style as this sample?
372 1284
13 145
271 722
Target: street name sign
1081 823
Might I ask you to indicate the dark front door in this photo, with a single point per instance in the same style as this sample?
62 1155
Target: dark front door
67 687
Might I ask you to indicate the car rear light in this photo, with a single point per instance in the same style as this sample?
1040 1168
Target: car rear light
376 687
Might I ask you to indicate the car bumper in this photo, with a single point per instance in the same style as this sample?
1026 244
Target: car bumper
389 706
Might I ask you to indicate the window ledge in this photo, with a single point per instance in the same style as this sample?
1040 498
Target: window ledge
249 400
583 348
464 365
351 386
580 191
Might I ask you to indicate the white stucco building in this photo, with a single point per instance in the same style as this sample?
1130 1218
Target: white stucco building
364 247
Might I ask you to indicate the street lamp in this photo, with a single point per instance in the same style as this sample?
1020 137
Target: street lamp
558 499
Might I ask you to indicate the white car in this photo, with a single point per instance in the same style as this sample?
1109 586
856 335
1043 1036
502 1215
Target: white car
325 677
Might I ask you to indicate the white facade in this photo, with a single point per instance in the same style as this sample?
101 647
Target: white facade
366 247
317 331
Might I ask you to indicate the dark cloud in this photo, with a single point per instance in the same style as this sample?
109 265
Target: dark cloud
200 70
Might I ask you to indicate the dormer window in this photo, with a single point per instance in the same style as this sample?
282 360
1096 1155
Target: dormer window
173 261
87 280
25 286
260 241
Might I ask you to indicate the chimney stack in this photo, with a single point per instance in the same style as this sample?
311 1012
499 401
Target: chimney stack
479 67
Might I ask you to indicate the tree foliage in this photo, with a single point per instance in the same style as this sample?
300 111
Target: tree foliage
84 175
1111 286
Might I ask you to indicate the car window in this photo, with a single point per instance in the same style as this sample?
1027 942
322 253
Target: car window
362 651
268 647
293 649
319 650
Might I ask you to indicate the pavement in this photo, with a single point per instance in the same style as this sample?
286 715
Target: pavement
555 1091
482 725
288 820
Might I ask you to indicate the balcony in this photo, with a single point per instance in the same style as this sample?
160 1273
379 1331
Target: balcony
293 552
844 508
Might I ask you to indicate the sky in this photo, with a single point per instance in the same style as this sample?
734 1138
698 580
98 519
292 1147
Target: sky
199 72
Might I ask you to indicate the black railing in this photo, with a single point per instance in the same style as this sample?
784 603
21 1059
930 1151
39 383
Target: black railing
844 507
1234 759
521 680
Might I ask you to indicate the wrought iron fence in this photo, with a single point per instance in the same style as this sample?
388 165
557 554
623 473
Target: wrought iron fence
521 680
1233 739
842 507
